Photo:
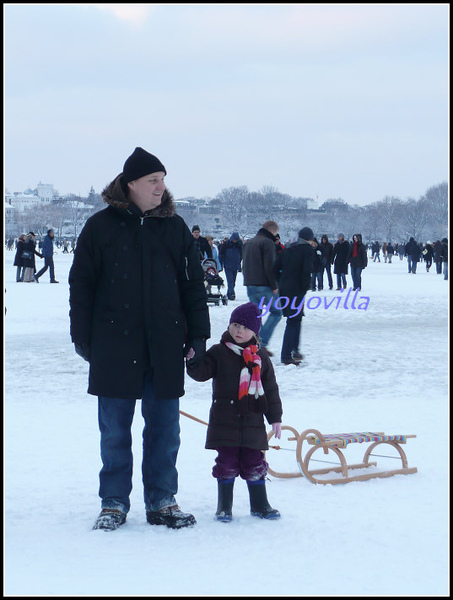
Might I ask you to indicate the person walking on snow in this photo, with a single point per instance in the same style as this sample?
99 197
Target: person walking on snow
244 391
230 256
47 252
258 258
293 269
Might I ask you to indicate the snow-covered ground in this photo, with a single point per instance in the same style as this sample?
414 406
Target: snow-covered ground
384 369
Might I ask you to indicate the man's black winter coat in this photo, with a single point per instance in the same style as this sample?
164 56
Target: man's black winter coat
136 295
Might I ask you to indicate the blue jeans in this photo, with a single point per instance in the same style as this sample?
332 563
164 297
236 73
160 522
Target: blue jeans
317 277
255 294
231 281
356 273
341 280
409 264
291 337
48 264
161 443
327 268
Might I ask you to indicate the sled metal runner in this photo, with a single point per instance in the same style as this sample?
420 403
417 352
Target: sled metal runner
312 441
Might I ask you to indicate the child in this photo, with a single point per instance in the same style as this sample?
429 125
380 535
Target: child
244 389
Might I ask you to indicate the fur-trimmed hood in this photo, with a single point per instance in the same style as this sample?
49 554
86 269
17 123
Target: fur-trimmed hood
115 196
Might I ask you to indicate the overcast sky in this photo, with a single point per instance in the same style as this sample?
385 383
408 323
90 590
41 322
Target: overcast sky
324 101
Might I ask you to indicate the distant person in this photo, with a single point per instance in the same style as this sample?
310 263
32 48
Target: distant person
278 243
18 258
317 271
376 249
358 259
258 258
445 257
293 269
327 259
202 245
390 252
414 253
47 252
428 253
215 252
230 256
340 261
408 252
28 257
437 256
245 391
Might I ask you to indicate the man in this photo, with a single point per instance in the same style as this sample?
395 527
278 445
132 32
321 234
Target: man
340 258
47 252
259 255
293 270
230 256
327 258
201 244
137 305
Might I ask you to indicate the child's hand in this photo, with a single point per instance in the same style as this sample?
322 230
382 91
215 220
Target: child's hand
277 429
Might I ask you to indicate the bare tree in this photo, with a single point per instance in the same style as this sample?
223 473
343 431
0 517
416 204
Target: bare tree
233 202
436 199
415 217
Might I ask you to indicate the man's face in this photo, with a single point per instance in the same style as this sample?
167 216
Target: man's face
196 234
146 192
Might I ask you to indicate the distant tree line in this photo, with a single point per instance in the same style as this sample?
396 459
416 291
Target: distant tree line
388 220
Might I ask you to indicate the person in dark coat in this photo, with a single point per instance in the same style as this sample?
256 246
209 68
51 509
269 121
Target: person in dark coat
47 252
327 259
408 252
293 269
438 256
414 253
137 304
230 257
18 258
278 243
244 391
340 261
318 269
358 259
28 257
202 245
444 255
427 253
258 258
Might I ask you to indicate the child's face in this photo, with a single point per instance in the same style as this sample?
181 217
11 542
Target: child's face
240 334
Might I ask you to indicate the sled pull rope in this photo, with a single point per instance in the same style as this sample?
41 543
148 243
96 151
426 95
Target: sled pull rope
192 417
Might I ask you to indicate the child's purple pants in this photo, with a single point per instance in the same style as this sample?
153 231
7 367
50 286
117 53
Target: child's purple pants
232 461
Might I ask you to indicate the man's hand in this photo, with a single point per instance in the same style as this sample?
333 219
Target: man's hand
196 349
83 350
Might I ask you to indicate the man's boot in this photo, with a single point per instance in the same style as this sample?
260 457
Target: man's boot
225 500
259 505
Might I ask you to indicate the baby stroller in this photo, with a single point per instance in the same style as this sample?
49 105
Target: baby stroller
212 278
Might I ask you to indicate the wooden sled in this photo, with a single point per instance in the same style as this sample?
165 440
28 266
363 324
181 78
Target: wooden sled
312 440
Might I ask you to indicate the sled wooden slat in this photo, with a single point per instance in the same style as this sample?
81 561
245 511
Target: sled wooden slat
334 444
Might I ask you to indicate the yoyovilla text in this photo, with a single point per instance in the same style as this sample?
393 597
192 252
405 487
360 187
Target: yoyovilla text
348 301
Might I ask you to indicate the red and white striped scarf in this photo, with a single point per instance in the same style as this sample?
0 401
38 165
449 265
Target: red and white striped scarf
250 377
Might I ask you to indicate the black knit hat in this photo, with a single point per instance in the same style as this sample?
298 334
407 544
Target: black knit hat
306 233
141 163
